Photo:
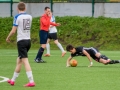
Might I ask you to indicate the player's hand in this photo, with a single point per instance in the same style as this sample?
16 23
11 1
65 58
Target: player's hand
58 24
49 14
67 65
91 64
7 39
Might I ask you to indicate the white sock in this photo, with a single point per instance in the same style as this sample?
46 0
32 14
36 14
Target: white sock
48 48
60 47
15 75
30 76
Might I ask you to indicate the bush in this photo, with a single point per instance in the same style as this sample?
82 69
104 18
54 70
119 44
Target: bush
100 32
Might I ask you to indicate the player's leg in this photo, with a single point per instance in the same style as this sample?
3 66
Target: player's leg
102 58
16 72
47 48
54 36
28 73
43 40
60 47
105 60
24 57
18 65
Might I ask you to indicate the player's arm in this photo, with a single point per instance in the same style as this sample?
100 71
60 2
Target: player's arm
51 26
12 32
68 61
89 58
54 24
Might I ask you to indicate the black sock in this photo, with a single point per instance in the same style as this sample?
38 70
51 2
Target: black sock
114 62
40 53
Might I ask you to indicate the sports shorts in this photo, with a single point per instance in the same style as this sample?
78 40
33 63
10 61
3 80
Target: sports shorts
43 36
23 48
92 53
52 36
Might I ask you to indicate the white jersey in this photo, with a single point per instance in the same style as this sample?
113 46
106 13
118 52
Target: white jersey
52 29
23 22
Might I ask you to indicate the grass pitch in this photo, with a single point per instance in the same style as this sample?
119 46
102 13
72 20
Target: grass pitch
54 75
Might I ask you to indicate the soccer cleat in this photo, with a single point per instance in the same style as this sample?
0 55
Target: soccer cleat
63 54
47 55
40 61
30 84
11 82
36 60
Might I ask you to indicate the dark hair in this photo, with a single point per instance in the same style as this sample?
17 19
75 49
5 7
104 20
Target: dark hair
46 8
21 6
69 47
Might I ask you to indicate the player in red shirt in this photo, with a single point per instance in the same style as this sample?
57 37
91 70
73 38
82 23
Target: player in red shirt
43 33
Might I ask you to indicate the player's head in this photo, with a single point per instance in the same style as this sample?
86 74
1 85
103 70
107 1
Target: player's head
21 6
70 48
47 10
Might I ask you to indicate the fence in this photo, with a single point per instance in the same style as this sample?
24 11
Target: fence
61 1
11 4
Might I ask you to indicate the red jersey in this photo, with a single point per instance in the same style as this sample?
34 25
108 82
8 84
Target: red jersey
45 22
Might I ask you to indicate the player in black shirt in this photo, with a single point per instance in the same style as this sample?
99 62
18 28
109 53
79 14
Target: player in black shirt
90 53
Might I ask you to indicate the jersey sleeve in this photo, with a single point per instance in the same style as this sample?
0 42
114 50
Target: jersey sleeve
80 49
73 55
78 52
53 19
15 21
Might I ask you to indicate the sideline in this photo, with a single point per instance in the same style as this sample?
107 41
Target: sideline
4 79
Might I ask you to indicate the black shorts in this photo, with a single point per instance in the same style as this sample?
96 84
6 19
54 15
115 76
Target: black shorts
23 48
92 53
52 36
43 36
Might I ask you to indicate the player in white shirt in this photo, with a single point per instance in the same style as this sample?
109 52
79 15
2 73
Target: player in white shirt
22 24
53 35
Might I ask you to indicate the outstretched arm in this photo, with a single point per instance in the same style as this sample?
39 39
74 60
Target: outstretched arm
68 61
89 58
12 32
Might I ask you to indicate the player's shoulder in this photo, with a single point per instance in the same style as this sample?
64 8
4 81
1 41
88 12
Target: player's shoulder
22 14
79 47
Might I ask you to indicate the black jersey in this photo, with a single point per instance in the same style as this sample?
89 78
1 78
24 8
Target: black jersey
91 51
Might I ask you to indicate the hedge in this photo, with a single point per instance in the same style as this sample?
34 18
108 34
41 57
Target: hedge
101 32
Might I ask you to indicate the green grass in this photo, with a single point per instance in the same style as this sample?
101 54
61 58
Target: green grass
54 75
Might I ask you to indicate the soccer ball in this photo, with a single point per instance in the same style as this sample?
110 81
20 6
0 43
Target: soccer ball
73 63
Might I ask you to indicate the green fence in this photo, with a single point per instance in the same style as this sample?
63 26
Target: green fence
61 1
4 1
70 1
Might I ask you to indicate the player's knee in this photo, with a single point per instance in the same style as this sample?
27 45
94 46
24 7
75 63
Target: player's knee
43 45
106 62
56 42
103 57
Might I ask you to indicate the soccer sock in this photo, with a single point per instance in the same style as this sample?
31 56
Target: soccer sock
30 76
60 47
15 75
40 53
48 48
114 62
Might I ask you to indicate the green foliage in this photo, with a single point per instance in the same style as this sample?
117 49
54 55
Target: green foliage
101 32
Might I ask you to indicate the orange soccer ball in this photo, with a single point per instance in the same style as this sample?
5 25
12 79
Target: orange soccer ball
73 63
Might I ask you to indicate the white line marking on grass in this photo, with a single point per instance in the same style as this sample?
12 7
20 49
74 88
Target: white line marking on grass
4 79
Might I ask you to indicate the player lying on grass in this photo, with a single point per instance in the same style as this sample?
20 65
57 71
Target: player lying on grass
90 53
